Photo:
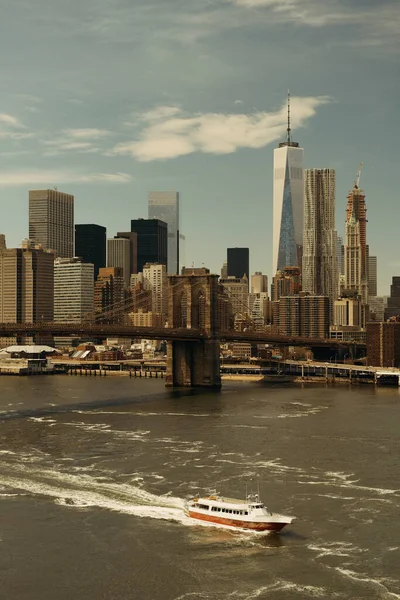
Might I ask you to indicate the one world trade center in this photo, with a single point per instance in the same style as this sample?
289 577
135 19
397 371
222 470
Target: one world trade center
288 203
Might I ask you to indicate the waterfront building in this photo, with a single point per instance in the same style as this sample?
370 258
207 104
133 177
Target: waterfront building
259 283
224 270
119 255
73 290
164 206
383 344
288 189
90 245
26 287
155 279
320 267
51 221
392 309
152 237
303 315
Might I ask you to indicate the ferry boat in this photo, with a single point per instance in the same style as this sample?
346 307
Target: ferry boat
249 514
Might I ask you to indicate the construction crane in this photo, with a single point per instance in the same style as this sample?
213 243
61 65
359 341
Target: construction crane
357 181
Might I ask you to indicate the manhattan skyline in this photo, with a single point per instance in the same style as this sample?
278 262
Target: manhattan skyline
192 97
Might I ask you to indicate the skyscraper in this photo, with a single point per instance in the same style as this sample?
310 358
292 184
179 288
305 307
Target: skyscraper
155 279
320 271
51 221
152 236
165 207
26 284
73 290
259 283
90 245
119 255
372 276
356 249
238 262
288 203
132 237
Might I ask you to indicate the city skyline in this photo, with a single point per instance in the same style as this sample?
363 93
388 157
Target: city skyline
204 119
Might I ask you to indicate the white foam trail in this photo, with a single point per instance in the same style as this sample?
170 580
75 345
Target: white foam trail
346 549
376 583
311 591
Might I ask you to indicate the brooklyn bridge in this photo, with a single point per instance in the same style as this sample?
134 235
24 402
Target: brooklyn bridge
193 334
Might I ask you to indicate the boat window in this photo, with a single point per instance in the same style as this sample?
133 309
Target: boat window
246 512
204 506
219 510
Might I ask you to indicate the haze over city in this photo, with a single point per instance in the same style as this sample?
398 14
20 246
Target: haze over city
109 102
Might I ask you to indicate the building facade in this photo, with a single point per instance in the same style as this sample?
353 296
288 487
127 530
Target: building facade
132 237
164 206
320 267
372 276
152 241
286 283
304 315
51 221
119 255
237 290
356 249
91 244
73 290
110 296
347 312
383 344
155 279
288 203
26 285
259 283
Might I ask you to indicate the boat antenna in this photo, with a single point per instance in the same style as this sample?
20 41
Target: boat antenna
246 490
258 489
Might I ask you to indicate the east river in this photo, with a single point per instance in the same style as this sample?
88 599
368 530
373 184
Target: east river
94 474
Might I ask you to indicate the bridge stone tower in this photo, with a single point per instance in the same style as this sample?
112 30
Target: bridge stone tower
193 304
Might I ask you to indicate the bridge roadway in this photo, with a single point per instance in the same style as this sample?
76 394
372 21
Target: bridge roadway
169 334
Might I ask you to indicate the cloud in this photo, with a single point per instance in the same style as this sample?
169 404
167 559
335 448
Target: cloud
77 140
88 133
51 178
9 120
172 133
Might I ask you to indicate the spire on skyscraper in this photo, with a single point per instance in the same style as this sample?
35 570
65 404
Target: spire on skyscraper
288 117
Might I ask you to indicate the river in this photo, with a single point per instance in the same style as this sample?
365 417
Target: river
94 473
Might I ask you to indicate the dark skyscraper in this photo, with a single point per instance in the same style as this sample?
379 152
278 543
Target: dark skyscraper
90 245
393 303
152 241
238 262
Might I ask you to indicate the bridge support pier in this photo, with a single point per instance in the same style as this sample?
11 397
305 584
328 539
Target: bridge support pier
193 364
193 304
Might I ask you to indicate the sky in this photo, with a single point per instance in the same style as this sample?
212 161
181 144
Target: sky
110 99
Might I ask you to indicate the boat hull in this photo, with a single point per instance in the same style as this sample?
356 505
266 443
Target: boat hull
251 525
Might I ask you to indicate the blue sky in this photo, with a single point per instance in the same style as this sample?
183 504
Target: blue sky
109 99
